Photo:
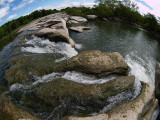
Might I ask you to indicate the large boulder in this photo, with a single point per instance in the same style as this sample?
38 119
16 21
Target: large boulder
63 97
8 111
142 107
95 62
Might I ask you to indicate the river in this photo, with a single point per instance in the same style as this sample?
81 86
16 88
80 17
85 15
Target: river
139 48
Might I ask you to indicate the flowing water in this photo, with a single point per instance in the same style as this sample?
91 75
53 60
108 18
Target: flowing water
139 48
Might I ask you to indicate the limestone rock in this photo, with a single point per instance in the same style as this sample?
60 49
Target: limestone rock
91 17
157 81
8 111
76 19
95 62
63 96
79 28
133 110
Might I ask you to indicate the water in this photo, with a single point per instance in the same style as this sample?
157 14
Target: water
139 48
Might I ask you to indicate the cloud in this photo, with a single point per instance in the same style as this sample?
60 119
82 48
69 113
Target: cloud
19 6
67 4
22 4
11 16
3 2
4 11
154 4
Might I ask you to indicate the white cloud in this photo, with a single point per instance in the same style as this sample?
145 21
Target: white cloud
23 3
19 6
154 4
2 2
11 16
67 4
4 11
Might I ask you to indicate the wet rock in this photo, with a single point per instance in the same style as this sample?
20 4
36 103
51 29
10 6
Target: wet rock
148 115
133 110
25 66
91 17
157 81
8 111
79 28
95 62
63 97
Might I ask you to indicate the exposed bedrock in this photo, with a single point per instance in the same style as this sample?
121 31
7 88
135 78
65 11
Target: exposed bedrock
95 62
98 63
8 111
53 27
140 108
61 97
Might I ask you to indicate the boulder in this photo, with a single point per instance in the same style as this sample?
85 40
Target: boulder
79 28
91 17
134 110
8 111
95 62
63 97
76 19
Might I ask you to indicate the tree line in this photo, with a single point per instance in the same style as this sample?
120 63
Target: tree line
110 9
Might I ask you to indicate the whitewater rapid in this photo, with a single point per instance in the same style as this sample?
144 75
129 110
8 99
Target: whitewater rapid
142 70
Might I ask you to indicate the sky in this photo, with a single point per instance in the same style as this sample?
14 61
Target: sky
12 9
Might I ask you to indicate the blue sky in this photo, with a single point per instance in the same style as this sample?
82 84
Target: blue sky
12 9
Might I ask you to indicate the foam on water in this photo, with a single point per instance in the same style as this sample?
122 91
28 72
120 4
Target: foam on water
78 46
16 86
74 76
142 69
39 45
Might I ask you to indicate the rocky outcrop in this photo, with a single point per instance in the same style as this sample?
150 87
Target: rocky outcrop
63 96
134 110
91 17
79 28
76 19
8 111
95 62
53 27
25 66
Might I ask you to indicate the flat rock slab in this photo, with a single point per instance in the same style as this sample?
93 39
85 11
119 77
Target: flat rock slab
79 28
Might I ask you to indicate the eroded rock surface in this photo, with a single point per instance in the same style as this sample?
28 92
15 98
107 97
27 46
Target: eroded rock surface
53 27
63 97
95 62
8 111
133 110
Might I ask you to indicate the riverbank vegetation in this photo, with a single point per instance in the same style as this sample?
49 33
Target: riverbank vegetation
110 9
